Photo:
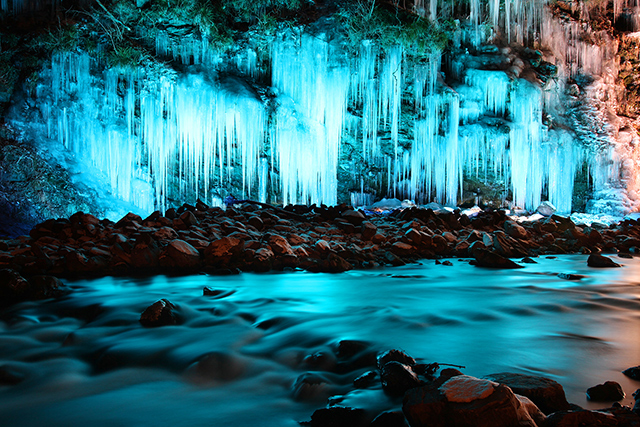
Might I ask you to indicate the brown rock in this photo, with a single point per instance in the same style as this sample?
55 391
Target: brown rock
581 418
279 245
354 217
403 249
165 233
485 258
412 237
610 391
397 378
368 230
601 261
160 313
378 238
465 401
179 254
515 230
546 393
223 250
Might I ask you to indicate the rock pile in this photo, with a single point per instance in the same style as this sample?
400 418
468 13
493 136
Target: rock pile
453 399
258 237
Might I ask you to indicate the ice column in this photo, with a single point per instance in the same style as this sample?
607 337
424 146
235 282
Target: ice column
313 89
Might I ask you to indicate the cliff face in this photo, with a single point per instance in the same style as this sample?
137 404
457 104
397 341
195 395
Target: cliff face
502 103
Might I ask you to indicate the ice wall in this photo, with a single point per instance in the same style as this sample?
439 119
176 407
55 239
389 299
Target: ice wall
158 136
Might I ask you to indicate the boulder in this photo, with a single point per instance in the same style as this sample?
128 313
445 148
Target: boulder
488 259
546 209
335 264
633 373
368 230
279 245
180 255
395 356
397 378
222 251
262 259
610 391
547 394
581 418
354 217
365 380
160 313
339 416
15 288
389 419
515 230
464 401
601 261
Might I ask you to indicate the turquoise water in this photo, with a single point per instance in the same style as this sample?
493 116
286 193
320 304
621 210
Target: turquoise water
86 359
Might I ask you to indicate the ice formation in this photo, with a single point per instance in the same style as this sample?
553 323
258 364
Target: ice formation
158 136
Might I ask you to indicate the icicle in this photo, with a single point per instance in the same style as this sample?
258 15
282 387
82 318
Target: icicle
494 86
309 121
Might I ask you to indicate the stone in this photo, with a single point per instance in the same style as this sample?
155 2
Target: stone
262 259
180 255
581 418
165 233
546 208
402 249
547 394
339 416
354 217
44 287
15 288
395 356
160 313
633 373
610 391
601 261
390 419
397 378
465 401
335 264
515 230
368 230
488 259
365 380
279 245
223 250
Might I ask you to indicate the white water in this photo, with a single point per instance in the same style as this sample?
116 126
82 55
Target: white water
87 360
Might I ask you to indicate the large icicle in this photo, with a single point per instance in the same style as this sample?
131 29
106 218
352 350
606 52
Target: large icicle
310 118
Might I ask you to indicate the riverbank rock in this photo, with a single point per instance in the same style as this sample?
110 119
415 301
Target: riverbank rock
547 394
160 313
397 378
465 401
610 391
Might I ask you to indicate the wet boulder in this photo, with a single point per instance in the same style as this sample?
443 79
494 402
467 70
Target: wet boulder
335 264
338 416
610 391
547 394
581 418
279 245
15 288
365 380
464 401
633 372
368 230
180 255
397 378
160 313
601 261
223 251
354 217
395 356
488 259
515 230
390 419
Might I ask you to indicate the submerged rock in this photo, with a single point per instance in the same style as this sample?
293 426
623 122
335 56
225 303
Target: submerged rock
160 313
397 378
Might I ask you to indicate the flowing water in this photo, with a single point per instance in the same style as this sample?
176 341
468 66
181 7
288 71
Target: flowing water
86 359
